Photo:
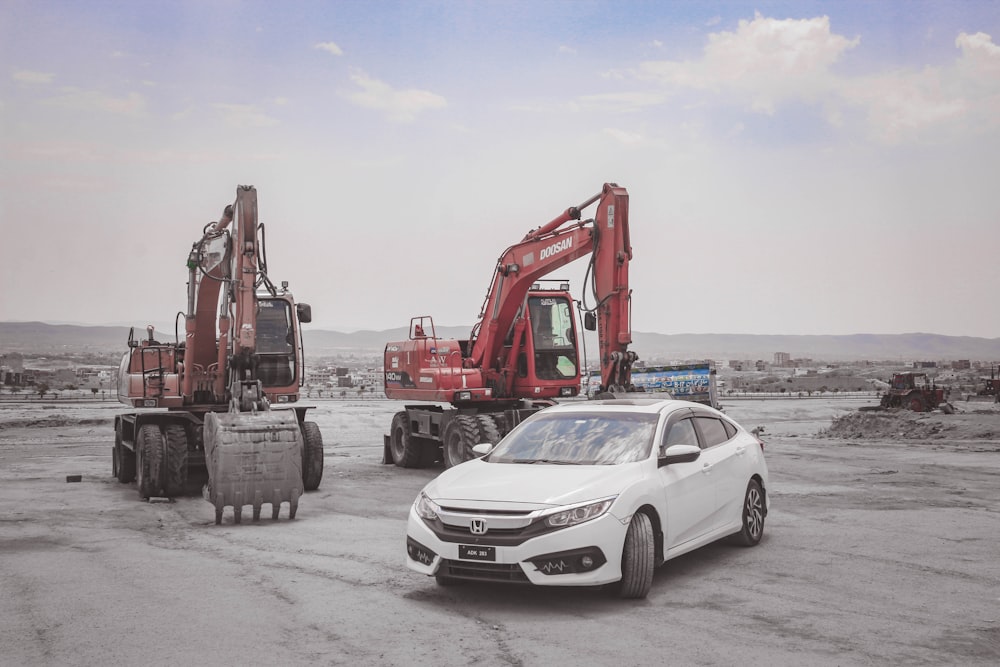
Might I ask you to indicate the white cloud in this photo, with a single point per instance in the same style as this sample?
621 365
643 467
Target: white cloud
766 61
244 115
329 47
621 102
906 105
132 104
978 67
566 49
899 105
28 76
397 105
625 137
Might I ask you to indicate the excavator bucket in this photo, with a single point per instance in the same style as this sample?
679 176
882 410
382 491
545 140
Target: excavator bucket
252 459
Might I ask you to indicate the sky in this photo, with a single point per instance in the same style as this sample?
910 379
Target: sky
792 167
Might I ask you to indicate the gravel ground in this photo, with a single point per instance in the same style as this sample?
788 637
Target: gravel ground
880 548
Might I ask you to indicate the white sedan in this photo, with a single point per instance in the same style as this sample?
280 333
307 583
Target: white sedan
592 493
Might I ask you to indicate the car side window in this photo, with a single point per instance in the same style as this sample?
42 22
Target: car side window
681 433
712 431
730 429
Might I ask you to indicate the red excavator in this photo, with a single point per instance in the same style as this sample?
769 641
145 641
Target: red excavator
209 396
523 352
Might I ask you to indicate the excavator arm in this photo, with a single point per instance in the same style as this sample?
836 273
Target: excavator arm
554 245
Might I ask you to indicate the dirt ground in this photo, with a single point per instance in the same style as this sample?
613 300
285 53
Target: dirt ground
881 548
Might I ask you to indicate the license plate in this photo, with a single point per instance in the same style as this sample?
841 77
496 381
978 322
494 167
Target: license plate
470 552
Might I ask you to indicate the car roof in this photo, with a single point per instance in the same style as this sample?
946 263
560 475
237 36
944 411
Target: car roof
646 405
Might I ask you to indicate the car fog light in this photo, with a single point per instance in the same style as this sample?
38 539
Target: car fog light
569 562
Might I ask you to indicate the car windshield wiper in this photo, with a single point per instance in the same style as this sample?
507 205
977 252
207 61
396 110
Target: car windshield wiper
549 461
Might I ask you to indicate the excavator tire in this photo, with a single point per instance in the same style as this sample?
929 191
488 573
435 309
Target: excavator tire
405 452
915 403
253 459
149 447
459 437
488 430
122 459
312 456
177 459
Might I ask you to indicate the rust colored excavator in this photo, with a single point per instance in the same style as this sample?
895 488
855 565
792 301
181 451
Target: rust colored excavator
206 401
523 353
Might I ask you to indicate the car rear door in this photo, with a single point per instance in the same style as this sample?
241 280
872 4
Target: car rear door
725 462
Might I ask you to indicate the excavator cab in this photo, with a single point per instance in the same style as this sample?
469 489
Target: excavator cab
548 359
277 344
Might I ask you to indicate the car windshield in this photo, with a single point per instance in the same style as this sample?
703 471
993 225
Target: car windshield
607 438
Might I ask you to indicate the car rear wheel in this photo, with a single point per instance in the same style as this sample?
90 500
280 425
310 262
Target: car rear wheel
638 558
753 516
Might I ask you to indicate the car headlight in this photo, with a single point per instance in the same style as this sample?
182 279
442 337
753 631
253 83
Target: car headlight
426 508
579 514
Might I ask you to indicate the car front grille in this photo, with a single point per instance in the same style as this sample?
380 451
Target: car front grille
463 569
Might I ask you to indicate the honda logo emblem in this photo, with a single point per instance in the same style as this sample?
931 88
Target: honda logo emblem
477 526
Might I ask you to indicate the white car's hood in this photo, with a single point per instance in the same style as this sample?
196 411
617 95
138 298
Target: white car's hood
538 485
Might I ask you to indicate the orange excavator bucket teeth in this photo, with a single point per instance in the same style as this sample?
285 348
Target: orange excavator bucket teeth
253 459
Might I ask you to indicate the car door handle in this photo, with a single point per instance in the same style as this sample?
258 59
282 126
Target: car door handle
706 467
741 450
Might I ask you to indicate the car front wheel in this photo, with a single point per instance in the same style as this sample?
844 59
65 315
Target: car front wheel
753 516
638 558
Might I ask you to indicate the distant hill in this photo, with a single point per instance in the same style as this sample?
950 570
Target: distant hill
39 338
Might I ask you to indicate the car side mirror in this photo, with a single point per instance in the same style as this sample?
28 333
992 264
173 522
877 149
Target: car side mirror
679 454
305 313
482 449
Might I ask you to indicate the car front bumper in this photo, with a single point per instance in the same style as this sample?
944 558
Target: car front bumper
588 554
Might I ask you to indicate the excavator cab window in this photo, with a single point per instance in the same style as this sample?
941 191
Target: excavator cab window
553 337
275 343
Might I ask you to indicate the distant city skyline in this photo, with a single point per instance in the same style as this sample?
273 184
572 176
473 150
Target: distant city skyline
793 167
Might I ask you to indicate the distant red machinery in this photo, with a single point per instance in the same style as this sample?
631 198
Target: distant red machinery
912 391
523 352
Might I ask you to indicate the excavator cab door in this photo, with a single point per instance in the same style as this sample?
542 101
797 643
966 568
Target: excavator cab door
548 362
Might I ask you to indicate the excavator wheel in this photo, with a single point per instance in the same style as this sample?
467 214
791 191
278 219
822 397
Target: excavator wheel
149 460
312 456
488 430
459 437
405 452
915 403
177 458
122 459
